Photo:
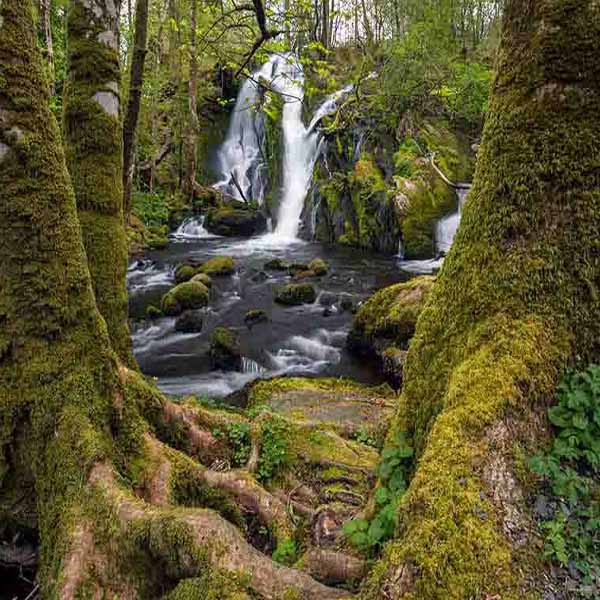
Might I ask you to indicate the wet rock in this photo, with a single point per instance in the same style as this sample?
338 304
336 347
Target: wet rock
153 312
319 267
294 268
276 264
254 317
295 294
218 266
328 311
235 220
327 299
225 350
203 278
259 277
347 303
185 296
189 322
184 273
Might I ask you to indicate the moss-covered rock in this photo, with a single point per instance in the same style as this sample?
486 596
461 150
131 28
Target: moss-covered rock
295 294
184 273
203 278
157 238
254 317
389 317
319 267
218 266
153 312
185 296
393 360
276 264
235 220
225 350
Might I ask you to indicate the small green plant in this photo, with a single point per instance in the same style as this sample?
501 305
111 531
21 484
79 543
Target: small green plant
285 553
571 468
151 209
238 435
364 436
369 536
274 448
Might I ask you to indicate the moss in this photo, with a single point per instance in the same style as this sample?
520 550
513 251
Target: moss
185 296
204 279
213 585
390 316
319 267
295 294
516 302
184 273
238 220
253 317
225 350
218 266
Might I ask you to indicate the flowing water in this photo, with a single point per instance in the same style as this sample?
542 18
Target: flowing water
307 340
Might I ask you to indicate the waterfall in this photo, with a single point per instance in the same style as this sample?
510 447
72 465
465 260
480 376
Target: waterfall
241 157
192 229
447 227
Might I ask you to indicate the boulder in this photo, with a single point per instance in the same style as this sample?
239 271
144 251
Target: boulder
203 278
189 295
276 264
327 299
235 220
319 267
225 350
294 294
393 360
153 312
190 321
184 272
218 266
254 317
389 317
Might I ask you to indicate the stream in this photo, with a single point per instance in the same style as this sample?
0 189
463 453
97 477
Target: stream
307 340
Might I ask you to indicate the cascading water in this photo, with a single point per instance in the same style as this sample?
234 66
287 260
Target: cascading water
241 155
192 229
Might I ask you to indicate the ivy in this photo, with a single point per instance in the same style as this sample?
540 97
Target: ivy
370 535
571 468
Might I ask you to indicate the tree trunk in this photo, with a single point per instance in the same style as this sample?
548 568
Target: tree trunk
45 12
94 150
515 303
189 142
134 100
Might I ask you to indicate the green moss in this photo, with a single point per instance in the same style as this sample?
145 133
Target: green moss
319 267
295 294
218 266
225 349
204 279
184 273
185 296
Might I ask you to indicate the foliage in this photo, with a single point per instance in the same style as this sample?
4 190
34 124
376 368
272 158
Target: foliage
370 535
572 469
238 435
151 209
274 452
285 552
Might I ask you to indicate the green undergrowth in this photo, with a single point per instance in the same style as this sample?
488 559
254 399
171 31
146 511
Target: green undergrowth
571 470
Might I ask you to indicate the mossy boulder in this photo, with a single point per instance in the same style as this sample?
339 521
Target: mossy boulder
190 321
276 264
389 317
218 266
184 272
189 295
153 312
225 350
294 268
156 238
393 360
295 294
203 278
254 317
319 267
235 220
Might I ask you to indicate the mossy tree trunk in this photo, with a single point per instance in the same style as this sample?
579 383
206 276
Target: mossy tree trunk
191 132
516 302
134 101
94 150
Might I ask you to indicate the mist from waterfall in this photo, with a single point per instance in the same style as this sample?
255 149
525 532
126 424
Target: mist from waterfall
241 156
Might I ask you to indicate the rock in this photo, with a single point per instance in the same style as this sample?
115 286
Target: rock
218 266
203 278
393 361
184 272
389 317
347 303
276 264
295 294
259 277
254 317
297 268
328 311
153 312
189 322
319 267
299 275
235 220
185 296
225 350
327 299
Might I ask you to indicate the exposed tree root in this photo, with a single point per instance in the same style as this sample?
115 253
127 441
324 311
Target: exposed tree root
333 567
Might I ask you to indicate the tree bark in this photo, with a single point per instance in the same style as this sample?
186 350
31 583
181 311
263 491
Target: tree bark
189 142
515 303
45 13
94 150
134 100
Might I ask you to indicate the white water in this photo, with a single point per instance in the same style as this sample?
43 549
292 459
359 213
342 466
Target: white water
241 156
445 232
193 229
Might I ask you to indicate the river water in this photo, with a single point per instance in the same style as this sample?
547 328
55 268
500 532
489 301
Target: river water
307 340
